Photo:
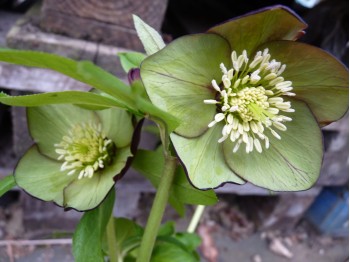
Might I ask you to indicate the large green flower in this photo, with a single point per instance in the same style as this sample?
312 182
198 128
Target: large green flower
77 155
250 99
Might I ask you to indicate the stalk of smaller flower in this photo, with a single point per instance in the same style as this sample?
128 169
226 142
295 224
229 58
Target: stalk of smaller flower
251 99
85 150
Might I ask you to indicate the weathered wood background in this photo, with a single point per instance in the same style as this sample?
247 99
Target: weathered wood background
108 21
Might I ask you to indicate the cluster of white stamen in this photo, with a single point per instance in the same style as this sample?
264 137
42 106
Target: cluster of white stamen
250 100
85 149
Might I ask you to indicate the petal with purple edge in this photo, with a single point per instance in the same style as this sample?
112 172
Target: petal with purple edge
203 159
87 193
251 30
41 176
318 78
290 164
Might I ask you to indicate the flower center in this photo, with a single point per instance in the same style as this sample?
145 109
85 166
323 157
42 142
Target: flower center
85 149
250 100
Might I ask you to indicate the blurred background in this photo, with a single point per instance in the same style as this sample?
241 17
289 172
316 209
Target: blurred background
249 223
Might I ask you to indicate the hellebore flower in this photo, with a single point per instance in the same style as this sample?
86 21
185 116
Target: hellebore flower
77 154
250 99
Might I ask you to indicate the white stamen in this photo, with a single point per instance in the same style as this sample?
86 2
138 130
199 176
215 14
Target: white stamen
210 101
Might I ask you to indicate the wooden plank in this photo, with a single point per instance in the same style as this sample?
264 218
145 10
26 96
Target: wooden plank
109 21
25 34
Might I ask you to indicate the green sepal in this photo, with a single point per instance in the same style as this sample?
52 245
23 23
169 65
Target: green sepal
318 78
290 164
87 193
117 126
204 160
249 31
178 79
48 124
41 176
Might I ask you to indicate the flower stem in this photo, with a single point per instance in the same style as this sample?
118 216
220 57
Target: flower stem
195 219
112 241
157 210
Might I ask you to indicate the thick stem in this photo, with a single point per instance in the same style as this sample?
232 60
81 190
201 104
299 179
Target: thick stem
157 210
195 219
112 241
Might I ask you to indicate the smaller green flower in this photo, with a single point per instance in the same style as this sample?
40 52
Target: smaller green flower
77 155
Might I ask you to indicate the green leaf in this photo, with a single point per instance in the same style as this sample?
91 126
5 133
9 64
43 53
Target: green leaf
41 176
131 60
318 78
126 230
178 79
6 184
150 38
290 164
84 71
150 164
204 160
167 229
88 236
65 97
190 240
249 31
169 251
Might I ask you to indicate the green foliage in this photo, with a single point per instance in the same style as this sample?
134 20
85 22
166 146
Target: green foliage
87 239
151 163
6 184
87 73
170 246
150 38
131 60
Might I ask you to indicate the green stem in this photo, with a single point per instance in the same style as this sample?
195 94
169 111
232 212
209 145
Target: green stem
157 210
195 219
112 241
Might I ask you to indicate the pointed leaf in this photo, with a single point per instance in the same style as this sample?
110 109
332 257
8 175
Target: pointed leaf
318 78
253 29
88 236
41 176
131 60
290 164
87 193
65 97
84 71
204 160
6 184
178 79
150 38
